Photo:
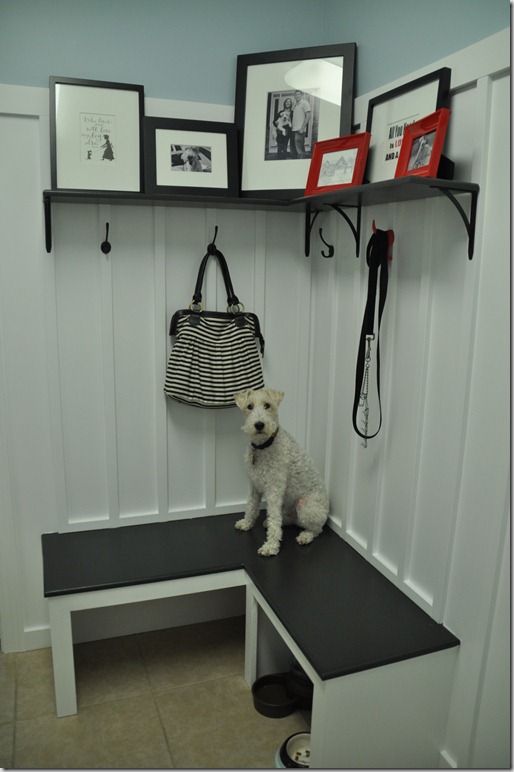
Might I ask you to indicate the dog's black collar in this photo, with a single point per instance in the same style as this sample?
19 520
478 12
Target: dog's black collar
268 442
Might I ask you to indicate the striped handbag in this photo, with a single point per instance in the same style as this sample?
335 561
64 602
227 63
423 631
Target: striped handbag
215 354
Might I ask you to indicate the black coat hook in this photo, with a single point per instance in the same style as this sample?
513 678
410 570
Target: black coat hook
105 246
330 247
211 248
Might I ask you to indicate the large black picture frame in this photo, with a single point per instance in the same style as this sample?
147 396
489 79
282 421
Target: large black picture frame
389 113
325 77
96 135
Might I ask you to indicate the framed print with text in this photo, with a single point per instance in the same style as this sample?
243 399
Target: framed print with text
391 112
96 135
190 157
286 101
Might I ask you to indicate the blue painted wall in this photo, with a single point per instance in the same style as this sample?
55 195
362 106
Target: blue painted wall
187 49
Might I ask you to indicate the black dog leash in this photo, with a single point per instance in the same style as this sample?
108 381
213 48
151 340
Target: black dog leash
376 258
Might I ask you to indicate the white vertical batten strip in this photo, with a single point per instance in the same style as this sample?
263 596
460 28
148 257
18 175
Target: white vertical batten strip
484 89
331 376
109 375
390 319
359 295
424 324
259 269
304 343
160 350
52 346
54 389
211 287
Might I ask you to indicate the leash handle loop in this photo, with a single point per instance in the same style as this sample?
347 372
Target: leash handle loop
376 259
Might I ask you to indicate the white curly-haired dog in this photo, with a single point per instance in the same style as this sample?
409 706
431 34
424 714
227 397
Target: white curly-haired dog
279 468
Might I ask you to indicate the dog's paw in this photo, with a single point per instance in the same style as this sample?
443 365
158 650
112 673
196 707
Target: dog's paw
242 525
269 549
305 537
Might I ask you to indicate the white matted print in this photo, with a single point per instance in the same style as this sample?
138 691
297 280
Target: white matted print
96 135
182 155
337 167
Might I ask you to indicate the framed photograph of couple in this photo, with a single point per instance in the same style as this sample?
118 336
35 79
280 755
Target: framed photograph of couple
286 101
96 135
190 157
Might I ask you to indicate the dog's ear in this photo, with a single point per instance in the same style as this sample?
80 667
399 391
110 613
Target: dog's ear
242 397
275 396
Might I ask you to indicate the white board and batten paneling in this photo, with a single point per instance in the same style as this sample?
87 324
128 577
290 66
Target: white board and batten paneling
88 440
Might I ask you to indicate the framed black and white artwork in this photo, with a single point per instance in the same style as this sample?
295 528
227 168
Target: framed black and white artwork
96 135
286 101
190 157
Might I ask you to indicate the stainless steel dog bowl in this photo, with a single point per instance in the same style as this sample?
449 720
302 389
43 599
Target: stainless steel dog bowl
294 752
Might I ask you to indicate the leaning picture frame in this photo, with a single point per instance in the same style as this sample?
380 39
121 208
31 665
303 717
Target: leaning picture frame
422 145
286 101
190 157
390 113
96 135
338 163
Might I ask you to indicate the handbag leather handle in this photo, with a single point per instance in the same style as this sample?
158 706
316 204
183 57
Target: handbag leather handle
232 299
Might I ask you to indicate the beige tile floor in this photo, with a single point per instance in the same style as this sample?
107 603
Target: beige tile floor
168 699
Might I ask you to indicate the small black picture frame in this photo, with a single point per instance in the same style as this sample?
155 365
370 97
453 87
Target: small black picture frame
187 157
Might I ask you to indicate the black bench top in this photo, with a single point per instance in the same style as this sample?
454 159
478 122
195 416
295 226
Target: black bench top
343 614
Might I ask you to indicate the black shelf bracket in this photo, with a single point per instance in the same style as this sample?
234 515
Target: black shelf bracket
469 223
309 222
310 218
48 224
356 229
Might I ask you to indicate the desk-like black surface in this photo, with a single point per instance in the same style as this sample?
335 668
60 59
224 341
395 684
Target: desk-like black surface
344 615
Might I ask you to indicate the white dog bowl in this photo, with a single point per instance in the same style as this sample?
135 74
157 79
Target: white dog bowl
294 752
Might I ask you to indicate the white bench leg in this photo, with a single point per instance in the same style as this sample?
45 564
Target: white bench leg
251 631
62 656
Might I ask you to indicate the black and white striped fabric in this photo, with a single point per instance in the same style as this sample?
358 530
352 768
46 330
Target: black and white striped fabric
215 354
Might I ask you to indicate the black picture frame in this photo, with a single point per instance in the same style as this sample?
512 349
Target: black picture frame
212 163
96 135
389 113
325 77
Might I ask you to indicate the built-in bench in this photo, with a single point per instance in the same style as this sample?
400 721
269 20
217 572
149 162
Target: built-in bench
381 667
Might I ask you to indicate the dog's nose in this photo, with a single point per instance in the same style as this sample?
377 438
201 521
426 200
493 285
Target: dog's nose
259 426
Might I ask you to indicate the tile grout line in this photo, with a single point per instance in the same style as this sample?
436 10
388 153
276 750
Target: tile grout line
154 700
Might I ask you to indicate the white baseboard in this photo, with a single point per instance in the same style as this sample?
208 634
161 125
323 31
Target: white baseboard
446 761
